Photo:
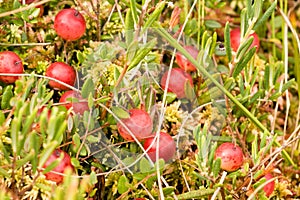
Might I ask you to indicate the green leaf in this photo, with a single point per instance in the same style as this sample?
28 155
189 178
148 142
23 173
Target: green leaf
52 166
206 50
17 139
47 98
2 118
170 97
204 39
254 149
29 121
123 184
30 83
7 95
119 112
93 139
160 163
4 152
93 178
133 11
262 20
88 88
4 173
47 151
145 165
90 101
57 124
244 47
201 193
287 85
76 142
255 96
35 13
116 74
151 181
244 21
213 44
21 162
216 167
249 9
129 27
266 80
168 190
154 16
257 8
132 50
75 163
16 4
139 176
35 146
211 155
227 41
128 161
243 63
215 93
229 83
212 24
189 90
140 55
80 56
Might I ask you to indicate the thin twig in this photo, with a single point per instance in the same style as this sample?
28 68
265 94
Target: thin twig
41 76
32 5
224 174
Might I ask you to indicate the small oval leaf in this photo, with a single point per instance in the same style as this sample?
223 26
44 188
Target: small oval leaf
119 112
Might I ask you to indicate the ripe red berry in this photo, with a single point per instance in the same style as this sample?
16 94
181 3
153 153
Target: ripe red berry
167 147
79 106
235 39
139 123
69 24
269 188
10 62
183 62
231 156
62 72
177 81
64 164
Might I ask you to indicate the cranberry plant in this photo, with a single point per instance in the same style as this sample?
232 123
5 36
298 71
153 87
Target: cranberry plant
149 99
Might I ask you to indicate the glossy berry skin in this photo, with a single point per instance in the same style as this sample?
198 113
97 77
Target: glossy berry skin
69 24
235 39
79 106
269 188
167 147
177 81
62 72
231 156
10 62
139 123
64 164
183 62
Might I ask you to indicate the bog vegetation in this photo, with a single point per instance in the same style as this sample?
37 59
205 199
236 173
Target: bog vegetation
149 99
